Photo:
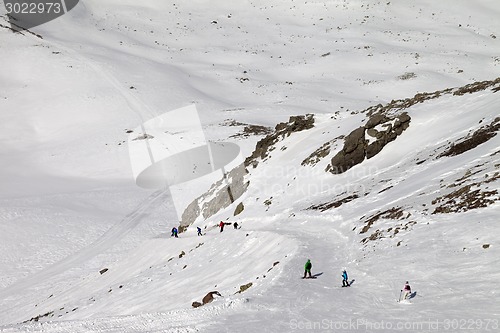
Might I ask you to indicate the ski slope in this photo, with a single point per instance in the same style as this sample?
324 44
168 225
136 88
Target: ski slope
69 206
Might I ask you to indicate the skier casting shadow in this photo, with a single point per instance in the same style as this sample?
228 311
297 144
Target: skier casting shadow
406 291
345 279
307 269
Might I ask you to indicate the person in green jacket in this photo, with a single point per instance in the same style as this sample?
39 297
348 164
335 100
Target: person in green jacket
307 268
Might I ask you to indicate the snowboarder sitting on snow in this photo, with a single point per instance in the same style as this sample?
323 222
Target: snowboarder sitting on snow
199 231
221 225
407 290
307 268
174 232
235 224
345 282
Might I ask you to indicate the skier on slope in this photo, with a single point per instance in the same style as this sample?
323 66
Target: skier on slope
174 232
221 225
345 281
199 231
307 268
407 290
235 225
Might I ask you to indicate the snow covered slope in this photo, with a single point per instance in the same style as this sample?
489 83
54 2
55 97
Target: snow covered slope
416 211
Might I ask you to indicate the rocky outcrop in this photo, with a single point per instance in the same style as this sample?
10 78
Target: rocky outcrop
402 104
381 128
384 126
282 130
223 193
479 137
321 152
389 131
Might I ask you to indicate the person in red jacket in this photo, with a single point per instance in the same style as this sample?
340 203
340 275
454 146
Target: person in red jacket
221 225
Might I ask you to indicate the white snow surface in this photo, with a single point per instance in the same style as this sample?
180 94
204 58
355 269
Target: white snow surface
69 206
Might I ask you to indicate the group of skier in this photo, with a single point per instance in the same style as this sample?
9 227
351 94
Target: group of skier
222 224
405 292
308 266
307 274
175 232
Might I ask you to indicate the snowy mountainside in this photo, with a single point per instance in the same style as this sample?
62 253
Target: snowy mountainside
388 231
424 209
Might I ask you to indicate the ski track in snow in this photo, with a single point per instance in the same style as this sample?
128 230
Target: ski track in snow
267 61
178 321
106 241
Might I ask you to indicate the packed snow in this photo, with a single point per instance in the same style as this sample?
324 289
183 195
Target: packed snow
84 249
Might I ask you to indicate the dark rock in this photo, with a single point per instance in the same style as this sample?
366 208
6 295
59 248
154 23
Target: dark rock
356 147
334 204
479 137
244 287
354 139
398 130
374 148
239 209
102 271
391 137
196 304
404 117
282 130
372 132
376 119
355 157
381 135
337 162
210 297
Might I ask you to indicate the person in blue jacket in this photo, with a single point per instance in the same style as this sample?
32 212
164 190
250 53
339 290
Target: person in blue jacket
345 281
199 231
174 232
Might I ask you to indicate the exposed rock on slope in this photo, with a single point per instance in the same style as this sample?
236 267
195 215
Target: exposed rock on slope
219 196
282 130
248 129
223 193
382 128
320 153
472 141
471 196
384 124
